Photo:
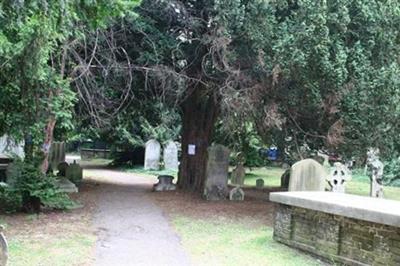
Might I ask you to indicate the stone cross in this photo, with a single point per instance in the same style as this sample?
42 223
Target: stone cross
307 175
338 178
236 194
152 155
170 155
238 174
216 185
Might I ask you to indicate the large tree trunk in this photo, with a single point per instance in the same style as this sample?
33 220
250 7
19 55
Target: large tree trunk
198 118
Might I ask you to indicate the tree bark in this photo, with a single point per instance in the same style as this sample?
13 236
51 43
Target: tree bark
199 114
47 143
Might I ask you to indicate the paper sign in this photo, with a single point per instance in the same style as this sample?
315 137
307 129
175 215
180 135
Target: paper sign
191 149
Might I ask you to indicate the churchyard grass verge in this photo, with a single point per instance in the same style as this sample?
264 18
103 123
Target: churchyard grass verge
223 242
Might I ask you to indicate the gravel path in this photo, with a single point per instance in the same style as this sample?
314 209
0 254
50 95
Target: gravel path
132 230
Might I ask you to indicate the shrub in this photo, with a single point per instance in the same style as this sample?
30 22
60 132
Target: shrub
391 173
29 189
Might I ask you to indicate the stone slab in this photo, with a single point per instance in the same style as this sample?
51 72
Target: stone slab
375 210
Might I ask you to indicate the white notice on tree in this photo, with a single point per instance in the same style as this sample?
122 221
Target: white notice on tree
191 149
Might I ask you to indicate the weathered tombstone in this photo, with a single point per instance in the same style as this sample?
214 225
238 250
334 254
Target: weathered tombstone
375 167
170 155
260 183
8 146
152 155
338 178
238 174
65 186
3 248
307 175
74 173
56 154
216 186
285 178
62 169
236 194
164 183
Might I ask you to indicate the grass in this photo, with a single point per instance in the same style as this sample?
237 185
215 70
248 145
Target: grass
62 250
225 242
140 170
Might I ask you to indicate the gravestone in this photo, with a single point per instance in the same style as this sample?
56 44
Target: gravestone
238 174
74 173
170 155
3 248
236 194
307 175
216 185
338 177
152 155
260 183
164 183
375 167
62 169
56 154
9 147
65 186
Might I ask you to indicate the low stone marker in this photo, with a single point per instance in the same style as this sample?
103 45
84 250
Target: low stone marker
66 186
74 173
260 183
236 194
164 183
170 156
238 174
216 186
62 169
343 228
307 175
338 178
152 155
3 248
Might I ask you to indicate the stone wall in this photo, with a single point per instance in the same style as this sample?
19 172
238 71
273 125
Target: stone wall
336 238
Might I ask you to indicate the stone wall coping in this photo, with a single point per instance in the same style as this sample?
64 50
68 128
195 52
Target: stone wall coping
370 209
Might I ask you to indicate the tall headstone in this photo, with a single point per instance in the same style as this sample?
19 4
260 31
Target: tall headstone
375 167
152 155
238 174
307 175
216 186
340 174
56 154
170 155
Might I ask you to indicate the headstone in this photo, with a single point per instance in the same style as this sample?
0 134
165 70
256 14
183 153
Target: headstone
375 166
170 155
260 183
56 154
216 186
338 178
238 174
236 194
62 169
9 147
285 178
74 173
164 183
307 175
3 248
152 155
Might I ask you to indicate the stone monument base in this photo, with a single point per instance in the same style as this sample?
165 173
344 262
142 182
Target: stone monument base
340 228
